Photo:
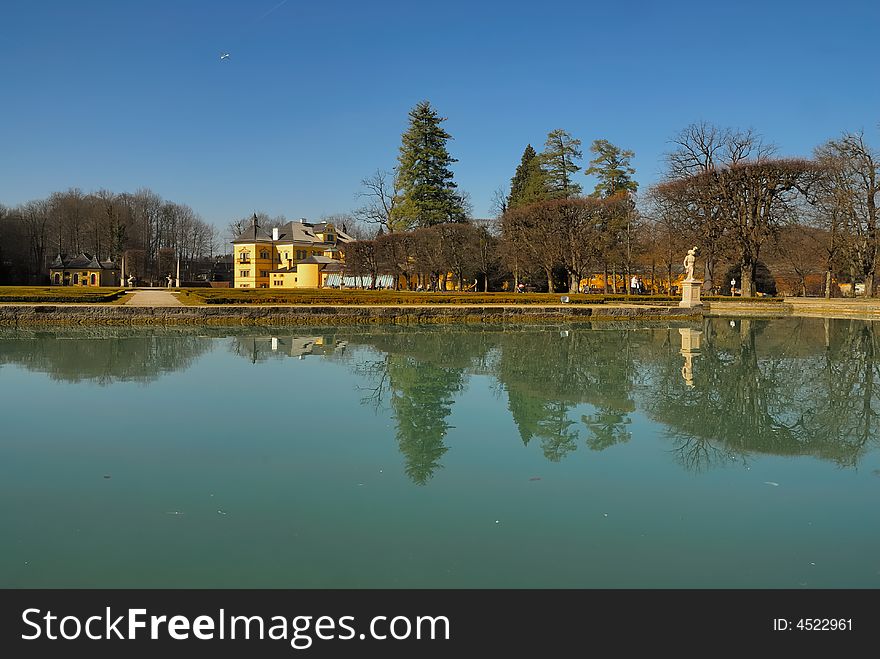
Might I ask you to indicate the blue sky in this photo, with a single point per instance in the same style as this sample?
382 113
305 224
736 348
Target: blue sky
314 96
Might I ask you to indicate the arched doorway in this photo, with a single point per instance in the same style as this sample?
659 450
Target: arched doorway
76 279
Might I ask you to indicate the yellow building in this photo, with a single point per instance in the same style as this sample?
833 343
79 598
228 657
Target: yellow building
83 270
296 255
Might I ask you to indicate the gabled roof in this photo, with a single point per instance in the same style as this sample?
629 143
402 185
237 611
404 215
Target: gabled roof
82 260
298 231
253 234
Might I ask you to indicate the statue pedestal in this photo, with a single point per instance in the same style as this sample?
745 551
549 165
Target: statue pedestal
690 293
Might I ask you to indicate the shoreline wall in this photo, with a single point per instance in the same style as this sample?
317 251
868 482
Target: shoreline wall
54 314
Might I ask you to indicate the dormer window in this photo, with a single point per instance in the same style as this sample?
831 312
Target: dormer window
244 257
264 254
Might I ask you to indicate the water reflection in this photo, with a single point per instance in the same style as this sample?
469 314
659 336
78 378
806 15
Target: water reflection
721 391
103 355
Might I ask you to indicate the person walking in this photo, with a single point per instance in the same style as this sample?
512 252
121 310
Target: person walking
634 285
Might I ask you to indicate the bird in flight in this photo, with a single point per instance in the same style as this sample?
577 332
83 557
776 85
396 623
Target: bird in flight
224 56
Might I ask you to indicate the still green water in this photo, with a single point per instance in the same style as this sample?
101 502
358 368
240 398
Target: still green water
724 454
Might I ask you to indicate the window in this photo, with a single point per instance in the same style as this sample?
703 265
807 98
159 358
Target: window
244 257
264 285
264 273
264 254
245 286
75 278
94 279
244 273
300 254
57 279
330 238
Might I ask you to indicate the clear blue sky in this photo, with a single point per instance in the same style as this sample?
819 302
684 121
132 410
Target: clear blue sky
132 93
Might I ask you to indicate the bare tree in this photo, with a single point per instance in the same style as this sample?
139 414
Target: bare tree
380 194
699 149
851 185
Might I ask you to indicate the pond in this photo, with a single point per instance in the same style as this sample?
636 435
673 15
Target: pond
730 453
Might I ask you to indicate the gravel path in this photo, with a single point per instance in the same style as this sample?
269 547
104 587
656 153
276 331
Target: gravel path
153 299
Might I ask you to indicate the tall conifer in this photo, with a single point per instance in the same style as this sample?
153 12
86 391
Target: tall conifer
427 194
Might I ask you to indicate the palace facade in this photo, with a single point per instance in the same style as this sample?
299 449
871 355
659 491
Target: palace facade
298 254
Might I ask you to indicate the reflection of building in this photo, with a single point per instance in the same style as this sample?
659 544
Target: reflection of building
296 255
690 348
259 349
83 270
300 346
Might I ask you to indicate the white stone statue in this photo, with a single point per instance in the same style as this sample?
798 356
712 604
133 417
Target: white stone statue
689 262
131 281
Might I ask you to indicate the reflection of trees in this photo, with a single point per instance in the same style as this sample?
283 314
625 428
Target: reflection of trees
546 375
422 397
758 390
791 387
139 357
421 371
843 378
759 387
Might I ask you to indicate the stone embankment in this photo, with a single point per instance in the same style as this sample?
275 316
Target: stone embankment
35 314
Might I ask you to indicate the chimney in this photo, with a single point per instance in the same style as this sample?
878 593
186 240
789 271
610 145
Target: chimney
302 220
275 233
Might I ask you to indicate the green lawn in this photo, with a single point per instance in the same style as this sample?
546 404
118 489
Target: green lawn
195 296
60 294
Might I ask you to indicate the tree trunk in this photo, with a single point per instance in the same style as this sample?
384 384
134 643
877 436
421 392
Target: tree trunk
828 284
747 279
605 278
709 279
614 278
549 280
574 282
869 285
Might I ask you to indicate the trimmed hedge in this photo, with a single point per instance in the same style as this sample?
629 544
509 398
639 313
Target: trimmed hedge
59 294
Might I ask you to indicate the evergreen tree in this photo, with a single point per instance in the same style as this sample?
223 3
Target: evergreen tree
611 165
427 194
527 185
558 163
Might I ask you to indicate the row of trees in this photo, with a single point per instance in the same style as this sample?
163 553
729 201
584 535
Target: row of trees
151 232
424 257
723 190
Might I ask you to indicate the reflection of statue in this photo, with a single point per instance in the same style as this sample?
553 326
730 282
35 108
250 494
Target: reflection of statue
690 348
689 262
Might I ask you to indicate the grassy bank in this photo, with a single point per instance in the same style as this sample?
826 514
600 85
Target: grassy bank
59 294
329 296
